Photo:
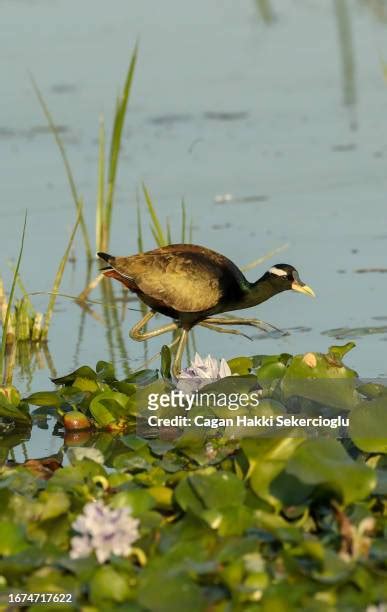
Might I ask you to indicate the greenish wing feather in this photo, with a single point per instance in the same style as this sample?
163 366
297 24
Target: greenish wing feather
182 281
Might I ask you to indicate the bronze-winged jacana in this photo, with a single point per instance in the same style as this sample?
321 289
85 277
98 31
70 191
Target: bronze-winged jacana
190 284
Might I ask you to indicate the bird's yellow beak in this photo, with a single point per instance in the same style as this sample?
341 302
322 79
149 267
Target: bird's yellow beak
303 289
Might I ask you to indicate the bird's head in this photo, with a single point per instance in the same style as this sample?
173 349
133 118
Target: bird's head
285 276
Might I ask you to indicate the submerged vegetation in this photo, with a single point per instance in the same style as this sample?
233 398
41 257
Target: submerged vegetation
210 519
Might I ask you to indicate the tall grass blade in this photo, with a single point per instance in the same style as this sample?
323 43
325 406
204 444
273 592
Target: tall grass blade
99 222
10 301
82 297
58 280
3 302
169 235
23 321
10 364
348 67
70 177
265 10
260 260
115 145
156 237
23 290
157 230
183 221
140 242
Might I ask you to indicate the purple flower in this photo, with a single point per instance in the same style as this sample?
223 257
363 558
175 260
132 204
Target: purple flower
201 372
104 531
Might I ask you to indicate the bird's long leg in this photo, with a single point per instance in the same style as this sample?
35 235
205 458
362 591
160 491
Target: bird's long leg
136 334
222 330
176 368
241 321
148 361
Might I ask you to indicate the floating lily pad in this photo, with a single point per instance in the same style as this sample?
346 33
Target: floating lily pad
12 538
324 463
368 425
109 407
322 378
267 458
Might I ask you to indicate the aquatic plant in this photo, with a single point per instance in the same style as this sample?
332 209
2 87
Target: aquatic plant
162 238
21 323
9 305
283 520
105 187
209 368
78 201
105 195
202 371
104 531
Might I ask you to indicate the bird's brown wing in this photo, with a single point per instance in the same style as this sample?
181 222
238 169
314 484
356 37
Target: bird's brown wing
181 279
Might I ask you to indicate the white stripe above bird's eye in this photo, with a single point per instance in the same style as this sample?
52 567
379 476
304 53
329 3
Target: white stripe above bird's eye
278 271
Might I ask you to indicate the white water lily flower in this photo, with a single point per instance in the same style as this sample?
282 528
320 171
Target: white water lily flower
104 531
201 372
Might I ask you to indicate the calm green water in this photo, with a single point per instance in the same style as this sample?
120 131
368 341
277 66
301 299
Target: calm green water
289 115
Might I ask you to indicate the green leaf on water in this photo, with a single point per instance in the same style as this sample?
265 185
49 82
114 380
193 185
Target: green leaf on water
271 371
85 384
267 458
325 464
44 398
240 365
108 585
52 504
368 425
12 538
108 407
19 414
338 351
105 371
82 372
322 378
139 500
261 360
209 489
142 377
169 590
372 390
166 361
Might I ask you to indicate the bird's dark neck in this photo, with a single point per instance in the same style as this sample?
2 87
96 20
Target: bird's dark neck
258 292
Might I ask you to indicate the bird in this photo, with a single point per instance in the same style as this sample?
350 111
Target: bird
193 284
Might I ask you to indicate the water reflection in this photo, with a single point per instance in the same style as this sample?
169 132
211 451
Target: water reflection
265 11
378 8
24 359
348 67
